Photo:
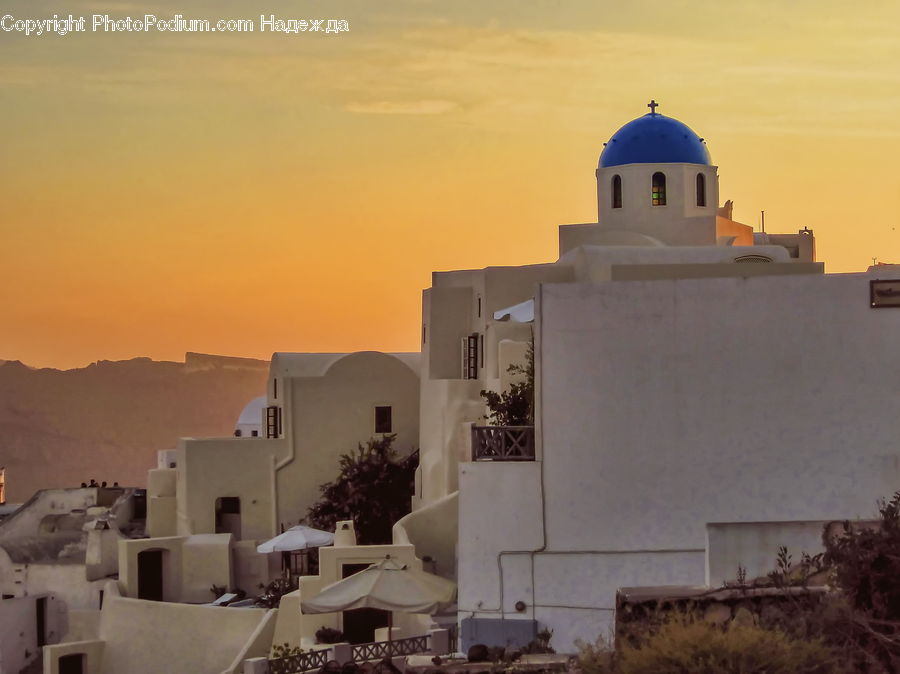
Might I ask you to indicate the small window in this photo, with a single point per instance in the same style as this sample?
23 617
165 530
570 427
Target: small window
701 189
73 663
383 419
237 432
275 389
470 356
658 194
273 422
423 333
617 191
228 516
254 434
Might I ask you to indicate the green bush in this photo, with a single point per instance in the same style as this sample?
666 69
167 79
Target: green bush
514 407
595 658
685 644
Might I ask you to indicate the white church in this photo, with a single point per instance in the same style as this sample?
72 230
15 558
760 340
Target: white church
704 394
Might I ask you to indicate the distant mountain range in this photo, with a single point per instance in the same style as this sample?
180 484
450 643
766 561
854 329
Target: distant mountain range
106 421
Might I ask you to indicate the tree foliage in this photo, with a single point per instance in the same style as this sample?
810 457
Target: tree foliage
374 489
515 406
865 565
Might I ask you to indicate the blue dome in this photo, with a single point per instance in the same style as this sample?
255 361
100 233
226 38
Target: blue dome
654 139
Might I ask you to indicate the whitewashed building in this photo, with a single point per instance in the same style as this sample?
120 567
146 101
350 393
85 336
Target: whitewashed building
703 394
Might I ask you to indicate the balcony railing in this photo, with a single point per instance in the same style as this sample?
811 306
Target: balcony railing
380 650
302 662
502 443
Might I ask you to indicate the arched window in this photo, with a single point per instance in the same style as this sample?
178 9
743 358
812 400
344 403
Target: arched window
701 189
617 191
658 194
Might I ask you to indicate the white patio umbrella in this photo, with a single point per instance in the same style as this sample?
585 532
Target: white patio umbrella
296 538
387 585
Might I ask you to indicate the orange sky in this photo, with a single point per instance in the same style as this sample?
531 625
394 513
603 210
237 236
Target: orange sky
246 193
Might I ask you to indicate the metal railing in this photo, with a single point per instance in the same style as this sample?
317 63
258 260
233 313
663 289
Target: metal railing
380 650
502 443
302 662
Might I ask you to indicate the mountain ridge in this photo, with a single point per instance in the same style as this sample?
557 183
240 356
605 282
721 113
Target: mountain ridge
107 420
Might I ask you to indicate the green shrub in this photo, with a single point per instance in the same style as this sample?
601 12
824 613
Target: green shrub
595 658
329 635
689 645
514 407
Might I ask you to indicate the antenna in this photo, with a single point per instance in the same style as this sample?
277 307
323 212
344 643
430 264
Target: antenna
762 219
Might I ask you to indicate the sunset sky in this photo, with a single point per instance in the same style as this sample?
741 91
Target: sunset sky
241 194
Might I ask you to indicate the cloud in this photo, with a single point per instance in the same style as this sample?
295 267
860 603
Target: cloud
423 107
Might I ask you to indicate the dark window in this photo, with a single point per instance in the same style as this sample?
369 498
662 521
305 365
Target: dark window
383 419
273 422
481 350
237 432
228 516
701 189
470 356
617 191
254 434
71 664
479 306
275 389
658 194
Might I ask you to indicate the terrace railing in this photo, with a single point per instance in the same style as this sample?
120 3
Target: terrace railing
502 443
303 662
380 650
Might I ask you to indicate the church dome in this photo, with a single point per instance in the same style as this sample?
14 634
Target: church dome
654 139
252 412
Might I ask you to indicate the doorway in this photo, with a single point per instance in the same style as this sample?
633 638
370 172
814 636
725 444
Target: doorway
150 575
228 516
360 623
41 612
71 664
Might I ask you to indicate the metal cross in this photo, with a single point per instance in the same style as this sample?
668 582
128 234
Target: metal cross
652 105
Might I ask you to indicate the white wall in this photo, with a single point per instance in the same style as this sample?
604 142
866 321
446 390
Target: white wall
664 405
715 400
332 414
146 637
18 630
680 222
754 545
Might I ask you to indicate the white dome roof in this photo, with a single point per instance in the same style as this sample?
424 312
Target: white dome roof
252 412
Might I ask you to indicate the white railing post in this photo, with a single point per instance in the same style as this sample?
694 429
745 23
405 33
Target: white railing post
343 653
256 666
440 642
